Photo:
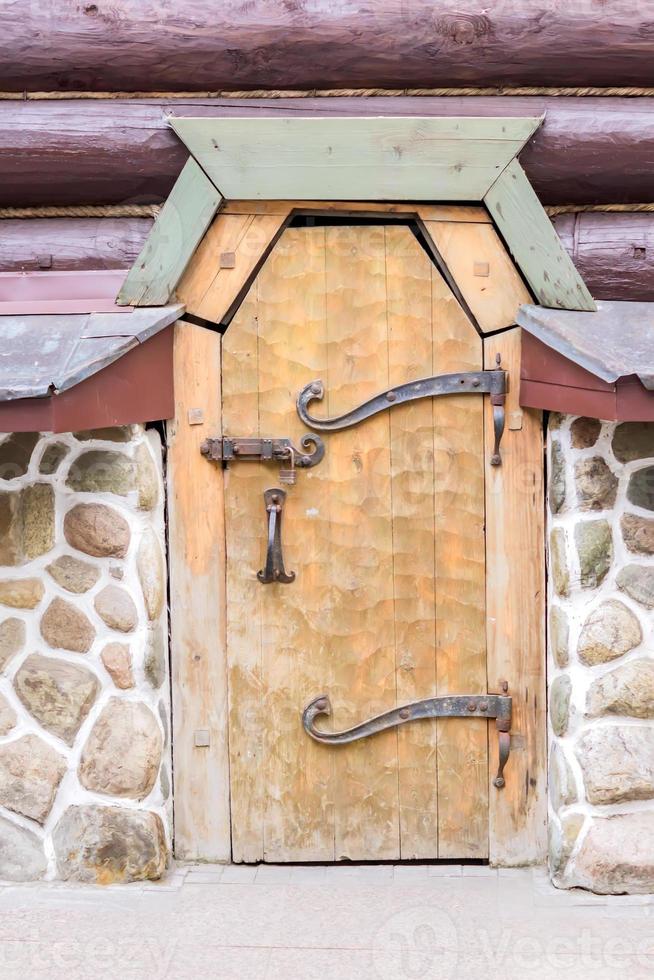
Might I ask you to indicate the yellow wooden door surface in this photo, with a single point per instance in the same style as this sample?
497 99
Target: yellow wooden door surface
386 537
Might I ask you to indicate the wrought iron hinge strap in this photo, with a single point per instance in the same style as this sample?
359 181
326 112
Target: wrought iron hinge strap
467 382
497 706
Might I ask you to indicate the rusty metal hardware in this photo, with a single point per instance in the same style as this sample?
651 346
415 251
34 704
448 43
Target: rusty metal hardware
468 382
497 706
288 474
225 449
274 570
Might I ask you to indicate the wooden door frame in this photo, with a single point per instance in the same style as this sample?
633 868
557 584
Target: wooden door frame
241 237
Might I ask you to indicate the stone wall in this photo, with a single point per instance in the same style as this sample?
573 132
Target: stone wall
84 698
601 654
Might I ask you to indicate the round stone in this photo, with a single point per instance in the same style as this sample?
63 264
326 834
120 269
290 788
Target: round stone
638 582
640 490
12 639
21 593
7 716
638 534
30 773
156 657
57 693
594 543
633 440
65 627
584 432
105 845
627 690
563 790
73 574
117 662
116 607
52 457
102 471
610 631
559 562
147 477
596 484
617 855
15 454
21 853
123 752
559 636
150 567
560 692
97 530
618 763
556 493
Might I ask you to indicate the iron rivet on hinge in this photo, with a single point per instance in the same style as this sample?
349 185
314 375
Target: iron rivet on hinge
404 712
390 396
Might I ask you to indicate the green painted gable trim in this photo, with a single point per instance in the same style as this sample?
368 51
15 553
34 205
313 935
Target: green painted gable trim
174 237
354 159
373 159
534 244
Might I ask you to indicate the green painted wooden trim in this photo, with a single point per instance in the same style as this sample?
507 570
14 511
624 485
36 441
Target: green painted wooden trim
534 244
354 159
174 237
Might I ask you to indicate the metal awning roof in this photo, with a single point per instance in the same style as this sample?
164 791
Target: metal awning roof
615 342
42 354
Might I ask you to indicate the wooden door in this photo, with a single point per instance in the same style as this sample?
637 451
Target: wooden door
386 537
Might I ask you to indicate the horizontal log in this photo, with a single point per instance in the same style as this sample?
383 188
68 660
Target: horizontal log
71 244
613 252
113 151
143 45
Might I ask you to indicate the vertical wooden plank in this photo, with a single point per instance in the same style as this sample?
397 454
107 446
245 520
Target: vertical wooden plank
488 280
460 583
297 624
516 616
363 644
408 285
197 604
534 243
244 516
175 235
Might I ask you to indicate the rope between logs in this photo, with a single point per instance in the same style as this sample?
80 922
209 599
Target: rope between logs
152 210
585 91
85 211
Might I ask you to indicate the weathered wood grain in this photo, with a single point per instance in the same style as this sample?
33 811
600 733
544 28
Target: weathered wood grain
460 582
534 243
71 244
212 289
406 158
409 313
483 271
588 150
188 45
515 610
197 604
173 239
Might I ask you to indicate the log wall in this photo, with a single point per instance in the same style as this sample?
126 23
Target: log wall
138 45
613 252
589 150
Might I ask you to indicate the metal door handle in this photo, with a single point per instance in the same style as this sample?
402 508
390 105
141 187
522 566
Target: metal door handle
274 570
